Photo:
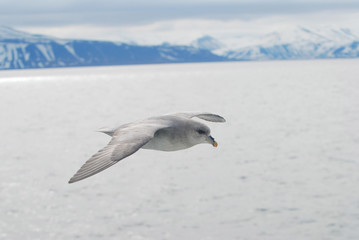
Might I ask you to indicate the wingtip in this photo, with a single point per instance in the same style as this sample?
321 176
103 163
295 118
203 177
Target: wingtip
71 181
218 118
74 179
221 119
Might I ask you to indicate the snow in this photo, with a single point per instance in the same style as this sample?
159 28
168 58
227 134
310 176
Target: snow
207 42
286 166
311 42
47 52
70 49
9 33
285 43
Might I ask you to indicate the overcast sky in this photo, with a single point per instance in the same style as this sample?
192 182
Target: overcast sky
151 21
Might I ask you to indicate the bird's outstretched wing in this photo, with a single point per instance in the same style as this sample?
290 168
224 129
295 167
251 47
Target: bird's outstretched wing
205 116
125 141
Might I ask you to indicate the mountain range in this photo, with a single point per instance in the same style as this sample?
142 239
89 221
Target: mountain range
23 50
294 43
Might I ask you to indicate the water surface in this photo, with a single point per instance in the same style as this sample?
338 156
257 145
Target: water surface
286 166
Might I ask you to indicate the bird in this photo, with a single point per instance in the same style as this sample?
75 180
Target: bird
171 132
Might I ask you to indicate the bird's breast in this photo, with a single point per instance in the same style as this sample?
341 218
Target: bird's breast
167 142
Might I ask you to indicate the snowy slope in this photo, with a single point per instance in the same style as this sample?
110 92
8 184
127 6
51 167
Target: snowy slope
7 33
23 50
208 43
293 43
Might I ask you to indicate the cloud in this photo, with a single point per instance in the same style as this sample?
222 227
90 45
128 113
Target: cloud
139 12
184 31
177 21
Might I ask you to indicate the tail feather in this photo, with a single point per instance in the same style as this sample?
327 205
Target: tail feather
106 130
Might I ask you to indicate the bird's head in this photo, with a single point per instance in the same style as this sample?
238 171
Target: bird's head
202 134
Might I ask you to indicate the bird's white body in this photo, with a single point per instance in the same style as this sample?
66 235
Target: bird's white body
176 136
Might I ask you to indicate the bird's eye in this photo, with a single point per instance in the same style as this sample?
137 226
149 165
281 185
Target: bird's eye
200 131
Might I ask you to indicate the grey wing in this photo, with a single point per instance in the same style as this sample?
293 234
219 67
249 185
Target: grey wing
124 142
204 115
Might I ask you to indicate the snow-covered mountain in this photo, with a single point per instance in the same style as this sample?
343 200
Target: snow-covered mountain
207 42
293 43
23 50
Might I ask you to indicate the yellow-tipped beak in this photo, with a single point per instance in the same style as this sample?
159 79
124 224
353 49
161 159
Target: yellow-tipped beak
211 140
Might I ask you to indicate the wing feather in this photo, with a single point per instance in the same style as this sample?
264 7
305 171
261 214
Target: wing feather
125 141
205 116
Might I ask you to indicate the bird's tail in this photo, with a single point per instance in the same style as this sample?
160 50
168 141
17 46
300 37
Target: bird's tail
107 130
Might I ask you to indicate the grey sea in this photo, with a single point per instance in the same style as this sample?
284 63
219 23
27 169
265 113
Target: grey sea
287 164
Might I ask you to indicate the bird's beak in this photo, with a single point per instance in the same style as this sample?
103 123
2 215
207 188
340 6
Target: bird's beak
211 140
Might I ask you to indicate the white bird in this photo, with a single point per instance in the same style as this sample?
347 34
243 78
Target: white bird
165 133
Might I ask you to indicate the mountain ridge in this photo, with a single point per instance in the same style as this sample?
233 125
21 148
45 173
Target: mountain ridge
21 50
298 43
24 50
